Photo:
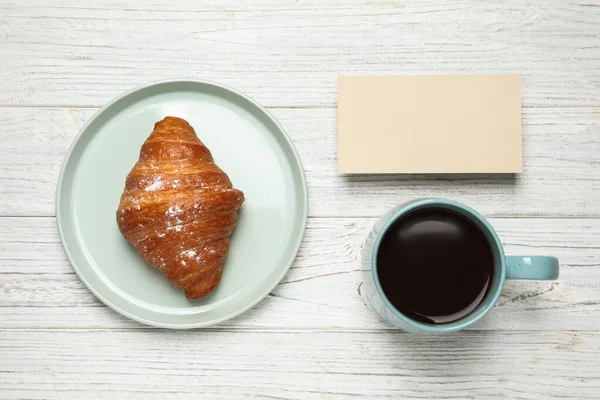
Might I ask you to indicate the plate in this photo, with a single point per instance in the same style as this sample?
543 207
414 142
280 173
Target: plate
246 142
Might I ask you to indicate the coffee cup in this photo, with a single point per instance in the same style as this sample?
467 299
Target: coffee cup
436 266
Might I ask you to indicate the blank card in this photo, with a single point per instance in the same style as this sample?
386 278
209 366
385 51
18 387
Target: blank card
429 124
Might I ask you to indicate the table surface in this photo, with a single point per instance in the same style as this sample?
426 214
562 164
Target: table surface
312 337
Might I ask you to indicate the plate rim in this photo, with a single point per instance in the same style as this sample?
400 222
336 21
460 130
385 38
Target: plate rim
303 217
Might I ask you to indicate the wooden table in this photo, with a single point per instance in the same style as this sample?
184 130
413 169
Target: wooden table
312 337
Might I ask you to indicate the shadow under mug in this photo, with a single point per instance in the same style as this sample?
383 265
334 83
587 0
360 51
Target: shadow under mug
505 267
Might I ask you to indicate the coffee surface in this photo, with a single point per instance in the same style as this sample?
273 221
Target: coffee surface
435 265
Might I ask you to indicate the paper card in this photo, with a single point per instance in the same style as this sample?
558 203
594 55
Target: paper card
429 124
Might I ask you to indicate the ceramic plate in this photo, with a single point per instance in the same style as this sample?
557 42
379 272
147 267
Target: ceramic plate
246 142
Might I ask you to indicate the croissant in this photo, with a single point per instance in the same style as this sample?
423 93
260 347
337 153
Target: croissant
178 208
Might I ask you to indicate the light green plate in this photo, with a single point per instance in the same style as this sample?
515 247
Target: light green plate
246 142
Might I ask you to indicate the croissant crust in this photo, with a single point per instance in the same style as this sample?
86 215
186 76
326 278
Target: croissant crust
178 208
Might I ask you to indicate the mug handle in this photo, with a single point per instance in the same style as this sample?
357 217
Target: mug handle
541 268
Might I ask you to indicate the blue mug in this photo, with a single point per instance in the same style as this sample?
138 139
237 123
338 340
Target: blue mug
505 267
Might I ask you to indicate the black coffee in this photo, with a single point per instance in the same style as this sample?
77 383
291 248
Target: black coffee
435 265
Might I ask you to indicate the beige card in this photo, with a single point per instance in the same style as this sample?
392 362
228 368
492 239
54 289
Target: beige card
429 124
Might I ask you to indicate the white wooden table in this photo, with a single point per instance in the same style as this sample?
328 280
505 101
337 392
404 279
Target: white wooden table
312 337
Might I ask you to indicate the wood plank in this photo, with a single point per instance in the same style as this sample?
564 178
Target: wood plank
287 53
561 173
298 365
38 288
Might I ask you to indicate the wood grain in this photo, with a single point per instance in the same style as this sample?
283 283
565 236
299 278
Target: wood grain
313 337
268 364
560 146
322 290
289 53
